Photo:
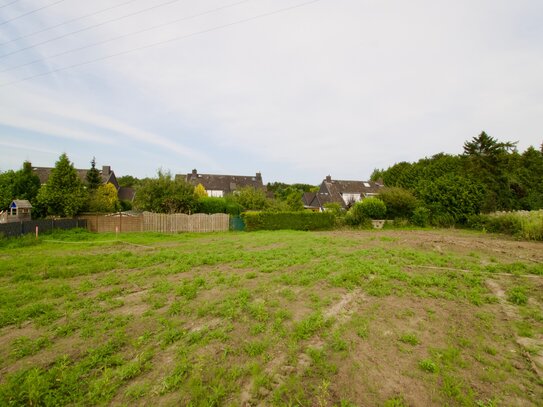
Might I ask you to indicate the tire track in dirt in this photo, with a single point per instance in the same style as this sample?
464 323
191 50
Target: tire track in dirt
525 344
278 367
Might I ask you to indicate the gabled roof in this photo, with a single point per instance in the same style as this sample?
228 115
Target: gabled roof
336 188
225 183
44 173
314 200
20 204
126 194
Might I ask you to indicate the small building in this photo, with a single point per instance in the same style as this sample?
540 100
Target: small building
19 210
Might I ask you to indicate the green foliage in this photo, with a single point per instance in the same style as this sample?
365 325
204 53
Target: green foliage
128 181
93 178
362 211
428 365
294 201
421 217
200 191
212 205
373 208
400 202
21 184
63 194
288 220
518 295
105 199
281 190
494 177
523 224
251 199
451 198
165 194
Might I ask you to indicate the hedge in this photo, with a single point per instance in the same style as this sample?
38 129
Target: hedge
288 220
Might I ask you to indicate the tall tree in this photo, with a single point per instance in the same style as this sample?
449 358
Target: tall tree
488 161
105 199
93 178
63 194
21 184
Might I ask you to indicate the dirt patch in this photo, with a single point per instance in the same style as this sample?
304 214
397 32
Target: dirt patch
70 346
9 333
531 348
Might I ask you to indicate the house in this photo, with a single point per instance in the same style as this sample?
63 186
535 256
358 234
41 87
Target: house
19 210
222 185
345 193
107 175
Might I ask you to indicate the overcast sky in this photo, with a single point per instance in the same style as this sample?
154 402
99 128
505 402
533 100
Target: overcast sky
292 88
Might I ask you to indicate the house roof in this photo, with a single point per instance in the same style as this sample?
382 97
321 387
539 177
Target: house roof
21 204
336 188
126 193
226 183
313 200
44 173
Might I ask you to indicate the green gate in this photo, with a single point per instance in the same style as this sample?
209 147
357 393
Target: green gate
236 223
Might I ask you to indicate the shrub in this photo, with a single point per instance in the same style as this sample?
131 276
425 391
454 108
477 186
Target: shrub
211 205
288 220
421 217
400 202
373 208
355 216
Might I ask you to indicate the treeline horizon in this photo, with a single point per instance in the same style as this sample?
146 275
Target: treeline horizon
489 176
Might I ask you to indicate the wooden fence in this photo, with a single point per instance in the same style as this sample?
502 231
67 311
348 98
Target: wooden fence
158 222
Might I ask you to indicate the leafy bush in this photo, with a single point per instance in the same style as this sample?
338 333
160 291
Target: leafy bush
288 220
373 208
400 202
421 217
211 205
523 224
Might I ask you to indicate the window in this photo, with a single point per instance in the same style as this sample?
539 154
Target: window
350 197
215 193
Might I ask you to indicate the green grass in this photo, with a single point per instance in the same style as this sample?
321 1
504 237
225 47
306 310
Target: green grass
289 318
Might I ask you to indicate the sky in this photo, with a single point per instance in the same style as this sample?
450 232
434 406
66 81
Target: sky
294 89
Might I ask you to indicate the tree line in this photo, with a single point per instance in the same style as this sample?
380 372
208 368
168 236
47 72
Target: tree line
488 176
66 195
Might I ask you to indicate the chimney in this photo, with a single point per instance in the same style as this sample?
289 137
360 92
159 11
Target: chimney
106 169
259 176
328 178
195 172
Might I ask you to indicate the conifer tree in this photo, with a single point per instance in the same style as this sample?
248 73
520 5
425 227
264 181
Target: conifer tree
93 177
63 194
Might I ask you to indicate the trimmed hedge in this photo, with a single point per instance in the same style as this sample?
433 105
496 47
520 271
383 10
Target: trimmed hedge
288 220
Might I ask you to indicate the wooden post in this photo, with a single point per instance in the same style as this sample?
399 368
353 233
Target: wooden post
36 232
116 232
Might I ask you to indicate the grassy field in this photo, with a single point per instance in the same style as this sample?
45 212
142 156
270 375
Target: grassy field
369 318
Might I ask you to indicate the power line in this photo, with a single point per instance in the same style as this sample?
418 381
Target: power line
66 22
9 4
126 35
178 38
89 27
30 12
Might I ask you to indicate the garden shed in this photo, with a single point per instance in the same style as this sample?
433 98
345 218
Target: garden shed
19 210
